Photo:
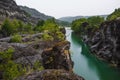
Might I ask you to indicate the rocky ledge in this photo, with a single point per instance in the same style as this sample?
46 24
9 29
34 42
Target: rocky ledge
53 56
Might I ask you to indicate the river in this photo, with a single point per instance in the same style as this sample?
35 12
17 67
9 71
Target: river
87 65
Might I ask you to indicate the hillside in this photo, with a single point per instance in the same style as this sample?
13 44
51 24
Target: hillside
9 8
114 15
70 19
34 13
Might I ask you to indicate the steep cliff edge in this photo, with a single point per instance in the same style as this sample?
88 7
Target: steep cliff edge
105 42
39 60
33 55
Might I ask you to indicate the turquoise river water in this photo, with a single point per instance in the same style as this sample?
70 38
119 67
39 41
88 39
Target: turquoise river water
87 65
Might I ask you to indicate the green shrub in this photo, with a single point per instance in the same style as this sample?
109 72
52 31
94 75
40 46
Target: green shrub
7 28
38 66
10 69
114 15
60 36
47 37
7 54
16 38
84 25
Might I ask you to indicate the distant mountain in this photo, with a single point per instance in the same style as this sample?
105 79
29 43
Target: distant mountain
34 13
70 19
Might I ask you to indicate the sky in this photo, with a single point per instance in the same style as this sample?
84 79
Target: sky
63 8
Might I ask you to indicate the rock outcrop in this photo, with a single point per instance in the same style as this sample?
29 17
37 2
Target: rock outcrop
9 9
51 75
105 42
28 56
58 57
53 56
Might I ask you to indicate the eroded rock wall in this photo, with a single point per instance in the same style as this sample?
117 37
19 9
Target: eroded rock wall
106 41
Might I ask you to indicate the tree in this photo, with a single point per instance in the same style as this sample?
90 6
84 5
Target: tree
95 21
84 25
21 26
28 27
39 25
8 28
77 24
114 15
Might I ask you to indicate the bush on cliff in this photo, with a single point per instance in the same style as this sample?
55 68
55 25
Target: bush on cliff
39 25
52 29
87 25
16 38
114 15
8 67
11 27
8 28
77 24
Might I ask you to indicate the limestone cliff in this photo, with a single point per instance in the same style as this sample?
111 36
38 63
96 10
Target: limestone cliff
105 42
54 57
8 8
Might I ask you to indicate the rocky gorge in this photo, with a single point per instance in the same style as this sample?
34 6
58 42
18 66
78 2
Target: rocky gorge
53 57
32 55
104 42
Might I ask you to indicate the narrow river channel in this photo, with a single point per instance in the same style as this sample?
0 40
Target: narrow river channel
87 65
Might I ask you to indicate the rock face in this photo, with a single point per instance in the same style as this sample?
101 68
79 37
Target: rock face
34 53
51 75
53 56
106 41
58 57
8 8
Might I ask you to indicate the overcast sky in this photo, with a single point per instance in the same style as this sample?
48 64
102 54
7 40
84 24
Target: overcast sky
62 8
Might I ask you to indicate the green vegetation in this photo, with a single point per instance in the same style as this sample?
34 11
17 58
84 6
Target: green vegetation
16 38
7 55
15 28
77 24
39 25
38 66
63 23
95 21
47 37
84 25
8 67
92 24
49 27
114 15
11 27
51 30
8 28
